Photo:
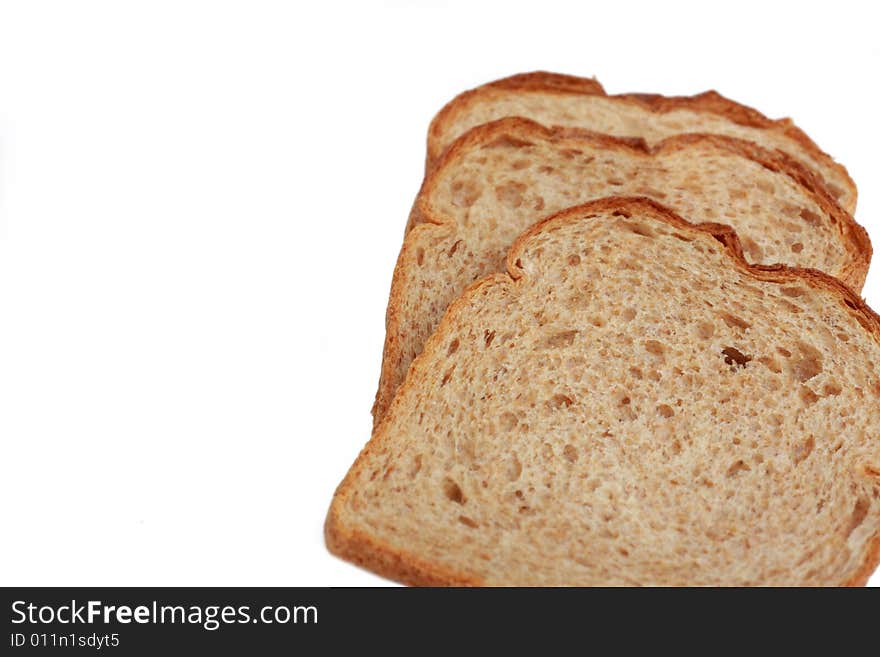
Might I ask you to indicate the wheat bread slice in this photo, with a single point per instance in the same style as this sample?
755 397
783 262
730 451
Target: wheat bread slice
564 100
630 404
502 177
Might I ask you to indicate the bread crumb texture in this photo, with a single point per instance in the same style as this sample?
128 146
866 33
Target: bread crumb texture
630 405
559 100
504 177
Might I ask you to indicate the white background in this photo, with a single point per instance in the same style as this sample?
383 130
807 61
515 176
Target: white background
200 208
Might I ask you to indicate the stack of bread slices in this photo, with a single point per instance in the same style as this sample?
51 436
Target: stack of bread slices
625 346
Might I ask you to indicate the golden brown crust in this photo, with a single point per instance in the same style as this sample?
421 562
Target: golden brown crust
541 80
536 81
710 101
385 560
869 563
852 235
397 564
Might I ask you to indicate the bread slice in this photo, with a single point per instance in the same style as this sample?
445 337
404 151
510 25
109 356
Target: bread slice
502 177
631 403
564 100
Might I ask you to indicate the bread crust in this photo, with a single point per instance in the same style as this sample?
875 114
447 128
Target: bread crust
397 564
384 559
710 102
852 235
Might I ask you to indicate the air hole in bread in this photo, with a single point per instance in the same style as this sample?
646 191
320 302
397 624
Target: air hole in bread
508 421
508 141
454 248
465 193
808 396
792 307
574 260
735 358
415 466
514 469
859 513
733 321
810 217
569 452
488 336
792 291
831 389
774 385
765 186
510 194
560 401
639 229
468 522
797 247
803 450
808 364
447 376
753 250
665 410
771 364
655 347
736 467
453 347
561 339
420 256
453 491
628 314
705 330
